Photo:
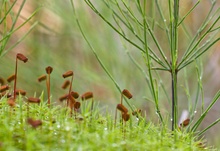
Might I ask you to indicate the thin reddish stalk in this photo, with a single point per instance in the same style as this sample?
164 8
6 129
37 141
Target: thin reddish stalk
48 90
49 70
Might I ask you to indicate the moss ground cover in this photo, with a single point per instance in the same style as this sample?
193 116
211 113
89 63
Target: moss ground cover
58 131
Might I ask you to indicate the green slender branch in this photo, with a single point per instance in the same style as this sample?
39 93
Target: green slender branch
198 42
199 89
112 26
43 25
121 34
128 24
186 31
118 24
6 37
9 10
199 50
157 44
147 78
12 30
198 54
164 20
139 6
190 11
199 121
142 70
16 29
187 90
201 28
208 127
126 19
21 39
148 61
132 16
18 14
163 88
215 29
161 69
153 56
96 55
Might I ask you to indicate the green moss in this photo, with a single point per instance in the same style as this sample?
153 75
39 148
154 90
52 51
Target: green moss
61 132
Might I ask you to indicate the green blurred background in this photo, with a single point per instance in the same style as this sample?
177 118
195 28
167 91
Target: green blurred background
56 41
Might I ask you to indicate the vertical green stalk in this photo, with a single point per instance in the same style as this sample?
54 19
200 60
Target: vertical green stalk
174 113
174 57
148 61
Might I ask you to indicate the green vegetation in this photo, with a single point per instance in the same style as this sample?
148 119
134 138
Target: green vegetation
133 22
156 52
29 123
58 131
10 27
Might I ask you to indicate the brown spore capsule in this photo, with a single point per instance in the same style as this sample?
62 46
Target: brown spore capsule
4 88
126 93
11 102
77 105
87 95
34 123
68 74
33 100
185 123
122 108
66 84
64 97
11 78
19 91
74 94
49 70
125 116
42 78
22 57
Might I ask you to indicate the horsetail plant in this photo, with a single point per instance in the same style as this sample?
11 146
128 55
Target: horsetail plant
133 22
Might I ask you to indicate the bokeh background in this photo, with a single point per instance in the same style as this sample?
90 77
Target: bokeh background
56 41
